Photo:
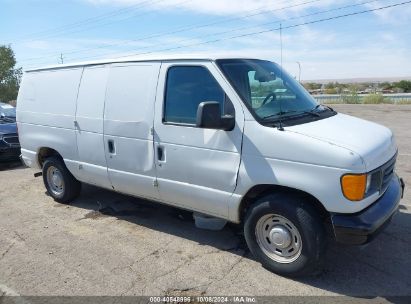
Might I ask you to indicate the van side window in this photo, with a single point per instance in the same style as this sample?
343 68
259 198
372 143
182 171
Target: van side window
186 88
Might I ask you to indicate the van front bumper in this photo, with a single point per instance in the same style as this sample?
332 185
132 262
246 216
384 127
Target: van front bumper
362 227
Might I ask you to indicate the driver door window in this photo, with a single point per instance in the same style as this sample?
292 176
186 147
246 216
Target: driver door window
186 88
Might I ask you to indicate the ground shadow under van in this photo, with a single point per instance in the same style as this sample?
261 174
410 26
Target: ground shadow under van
378 269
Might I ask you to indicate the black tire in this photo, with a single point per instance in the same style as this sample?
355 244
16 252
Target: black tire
297 210
71 186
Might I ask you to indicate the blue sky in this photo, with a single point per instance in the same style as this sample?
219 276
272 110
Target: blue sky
376 44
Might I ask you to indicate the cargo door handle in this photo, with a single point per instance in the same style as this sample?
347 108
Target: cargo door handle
111 146
160 154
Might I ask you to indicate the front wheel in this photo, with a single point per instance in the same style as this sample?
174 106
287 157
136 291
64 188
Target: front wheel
286 234
59 182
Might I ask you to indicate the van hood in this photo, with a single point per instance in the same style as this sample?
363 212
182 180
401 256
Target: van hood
374 143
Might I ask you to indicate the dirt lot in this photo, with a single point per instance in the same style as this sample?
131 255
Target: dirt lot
134 247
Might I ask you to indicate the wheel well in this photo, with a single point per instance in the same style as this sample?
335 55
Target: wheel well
259 191
44 153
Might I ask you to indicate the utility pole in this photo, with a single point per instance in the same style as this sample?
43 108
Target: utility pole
299 71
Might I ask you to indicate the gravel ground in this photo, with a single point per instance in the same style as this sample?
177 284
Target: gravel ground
135 247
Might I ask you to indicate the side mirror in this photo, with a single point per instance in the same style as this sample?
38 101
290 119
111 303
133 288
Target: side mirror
209 117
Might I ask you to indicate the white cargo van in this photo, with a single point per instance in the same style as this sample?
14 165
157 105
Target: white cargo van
236 139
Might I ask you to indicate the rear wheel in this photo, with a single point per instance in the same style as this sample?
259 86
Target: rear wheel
286 234
59 182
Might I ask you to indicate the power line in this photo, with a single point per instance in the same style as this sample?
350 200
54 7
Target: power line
88 20
263 31
253 33
81 30
186 29
294 18
268 23
276 29
73 51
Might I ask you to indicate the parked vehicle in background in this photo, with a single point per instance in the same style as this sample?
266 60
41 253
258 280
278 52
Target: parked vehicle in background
7 111
236 139
9 140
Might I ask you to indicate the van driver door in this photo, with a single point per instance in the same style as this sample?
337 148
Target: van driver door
196 168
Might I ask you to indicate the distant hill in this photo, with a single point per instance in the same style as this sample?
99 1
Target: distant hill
360 80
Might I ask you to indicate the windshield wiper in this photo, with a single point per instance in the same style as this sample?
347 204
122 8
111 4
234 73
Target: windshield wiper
280 114
321 105
313 110
277 114
316 107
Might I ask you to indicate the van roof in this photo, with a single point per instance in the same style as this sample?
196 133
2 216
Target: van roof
138 59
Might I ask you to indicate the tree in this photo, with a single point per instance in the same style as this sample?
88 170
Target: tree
312 86
405 85
386 85
330 85
9 75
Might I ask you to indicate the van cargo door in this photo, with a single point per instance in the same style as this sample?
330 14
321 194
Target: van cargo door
128 123
89 127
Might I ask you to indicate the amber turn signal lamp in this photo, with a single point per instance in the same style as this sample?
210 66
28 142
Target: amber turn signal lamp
353 186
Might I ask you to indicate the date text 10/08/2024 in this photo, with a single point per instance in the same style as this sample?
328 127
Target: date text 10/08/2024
202 299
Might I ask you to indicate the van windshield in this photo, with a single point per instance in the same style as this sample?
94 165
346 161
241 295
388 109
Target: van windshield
270 93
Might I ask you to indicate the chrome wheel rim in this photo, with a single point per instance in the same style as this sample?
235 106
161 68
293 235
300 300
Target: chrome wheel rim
55 181
278 238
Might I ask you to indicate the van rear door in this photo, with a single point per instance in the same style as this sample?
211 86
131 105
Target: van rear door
46 111
128 123
196 168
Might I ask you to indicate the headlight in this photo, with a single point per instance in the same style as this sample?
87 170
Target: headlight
356 187
353 186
